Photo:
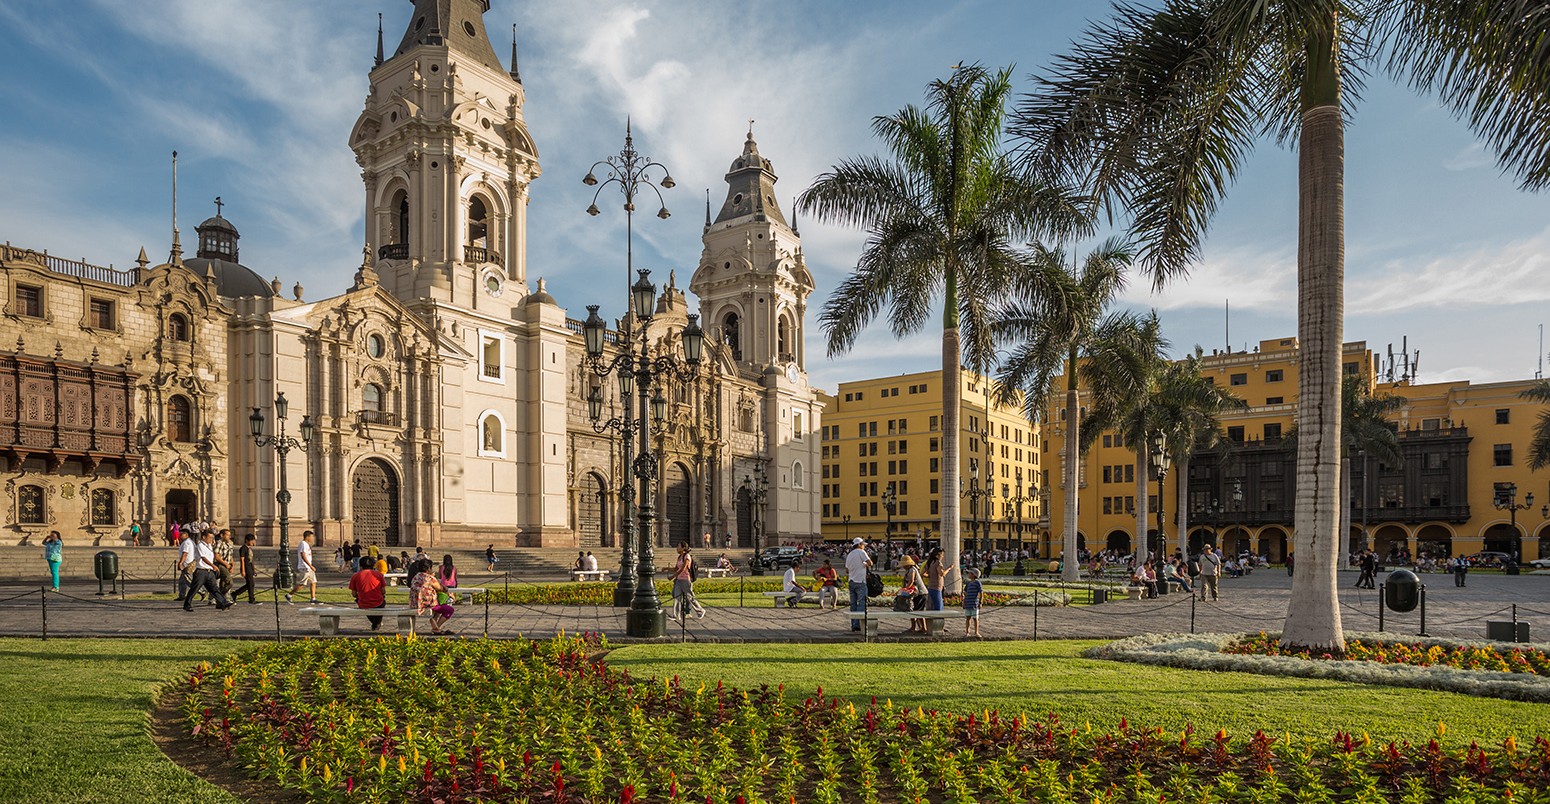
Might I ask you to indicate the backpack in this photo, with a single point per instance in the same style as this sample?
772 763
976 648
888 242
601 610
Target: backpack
694 569
874 584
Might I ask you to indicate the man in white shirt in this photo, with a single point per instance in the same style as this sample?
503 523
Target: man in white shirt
204 573
591 562
187 563
306 573
857 562
789 584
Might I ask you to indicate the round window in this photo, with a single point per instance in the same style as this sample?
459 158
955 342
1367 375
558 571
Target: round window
737 199
435 165
393 118
435 68
492 284
485 122
374 345
419 23
468 28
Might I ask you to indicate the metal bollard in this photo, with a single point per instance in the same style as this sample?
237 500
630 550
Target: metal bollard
1514 622
278 637
741 582
1380 608
1423 611
1035 615
43 595
1192 612
486 615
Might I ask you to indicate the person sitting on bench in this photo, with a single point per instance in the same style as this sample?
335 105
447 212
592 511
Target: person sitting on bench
789 584
368 588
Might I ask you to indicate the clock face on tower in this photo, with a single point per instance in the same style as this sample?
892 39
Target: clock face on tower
791 372
493 285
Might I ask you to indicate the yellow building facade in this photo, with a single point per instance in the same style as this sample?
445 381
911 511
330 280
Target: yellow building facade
882 448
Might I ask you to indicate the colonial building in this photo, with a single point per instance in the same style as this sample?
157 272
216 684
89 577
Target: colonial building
447 394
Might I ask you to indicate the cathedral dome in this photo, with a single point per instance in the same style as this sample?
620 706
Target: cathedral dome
218 259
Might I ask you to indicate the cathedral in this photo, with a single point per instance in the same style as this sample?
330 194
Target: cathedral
446 393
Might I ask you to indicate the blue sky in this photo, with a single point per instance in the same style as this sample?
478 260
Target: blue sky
259 97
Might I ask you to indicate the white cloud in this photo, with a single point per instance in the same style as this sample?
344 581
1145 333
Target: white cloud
1469 157
1490 274
1249 278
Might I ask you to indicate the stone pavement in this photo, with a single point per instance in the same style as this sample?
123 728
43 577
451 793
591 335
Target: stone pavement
1255 603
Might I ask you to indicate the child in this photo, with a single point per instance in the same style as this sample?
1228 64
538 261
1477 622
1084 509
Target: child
971 603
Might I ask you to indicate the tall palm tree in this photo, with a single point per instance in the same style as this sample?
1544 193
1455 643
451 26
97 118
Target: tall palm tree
1539 444
1051 340
1156 110
1188 412
941 218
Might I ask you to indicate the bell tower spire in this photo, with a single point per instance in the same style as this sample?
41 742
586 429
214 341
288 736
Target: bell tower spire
379 60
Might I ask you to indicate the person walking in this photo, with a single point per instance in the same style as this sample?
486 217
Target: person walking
1460 570
683 586
1210 572
54 554
857 562
369 589
489 558
204 572
306 573
225 561
248 569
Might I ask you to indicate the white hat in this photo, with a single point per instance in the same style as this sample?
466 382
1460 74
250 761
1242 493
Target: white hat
858 540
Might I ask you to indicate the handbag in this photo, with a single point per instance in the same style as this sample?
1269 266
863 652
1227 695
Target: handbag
902 602
874 584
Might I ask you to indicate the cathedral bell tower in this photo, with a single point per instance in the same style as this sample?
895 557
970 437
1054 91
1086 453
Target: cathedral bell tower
752 282
447 159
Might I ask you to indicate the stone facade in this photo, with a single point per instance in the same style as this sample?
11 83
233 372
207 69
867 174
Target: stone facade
447 397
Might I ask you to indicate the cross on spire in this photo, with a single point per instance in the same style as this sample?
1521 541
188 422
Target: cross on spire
218 204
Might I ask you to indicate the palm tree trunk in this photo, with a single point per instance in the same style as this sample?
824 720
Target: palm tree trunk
1181 504
1142 507
952 388
1070 565
1313 613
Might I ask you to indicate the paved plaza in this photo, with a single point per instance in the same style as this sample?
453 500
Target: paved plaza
1257 602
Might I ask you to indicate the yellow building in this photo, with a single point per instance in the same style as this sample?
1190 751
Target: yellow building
882 444
1463 445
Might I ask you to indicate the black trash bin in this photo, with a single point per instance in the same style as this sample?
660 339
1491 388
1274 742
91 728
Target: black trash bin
1100 596
105 567
1402 591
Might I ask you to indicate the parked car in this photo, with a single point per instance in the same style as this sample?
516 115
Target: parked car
777 557
1540 563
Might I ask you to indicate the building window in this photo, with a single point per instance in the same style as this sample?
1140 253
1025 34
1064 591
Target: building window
29 301
102 507
1503 415
934 508
30 507
797 432
375 346
100 315
490 358
1238 379
1273 432
936 465
1503 454
492 435
1435 460
180 419
1108 504
1350 368
371 398
1274 375
1274 400
1108 440
177 328
1235 434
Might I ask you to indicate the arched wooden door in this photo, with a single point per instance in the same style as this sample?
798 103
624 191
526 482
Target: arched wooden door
589 510
676 510
374 504
744 519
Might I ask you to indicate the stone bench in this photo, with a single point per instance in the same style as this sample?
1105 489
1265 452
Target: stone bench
394 577
718 572
936 621
781 598
465 592
589 575
328 617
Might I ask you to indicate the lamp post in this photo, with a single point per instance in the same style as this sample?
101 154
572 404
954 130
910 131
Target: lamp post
974 492
1215 513
1363 454
282 445
845 520
631 172
1507 500
890 498
1237 501
645 617
1161 461
758 489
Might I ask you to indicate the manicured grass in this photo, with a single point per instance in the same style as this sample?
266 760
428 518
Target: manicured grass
74 716
1044 677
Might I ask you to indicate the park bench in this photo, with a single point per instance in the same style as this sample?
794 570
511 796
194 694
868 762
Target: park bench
718 572
936 621
781 598
394 577
328 617
589 575
465 592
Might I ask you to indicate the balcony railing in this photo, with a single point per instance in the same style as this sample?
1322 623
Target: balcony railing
480 254
382 417
393 251
76 268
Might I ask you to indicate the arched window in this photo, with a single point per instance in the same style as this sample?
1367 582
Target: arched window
180 419
492 435
783 339
798 476
401 210
478 222
102 507
177 327
732 334
30 506
371 397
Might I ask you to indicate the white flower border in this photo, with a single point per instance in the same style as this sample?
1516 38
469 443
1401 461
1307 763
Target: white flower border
1204 652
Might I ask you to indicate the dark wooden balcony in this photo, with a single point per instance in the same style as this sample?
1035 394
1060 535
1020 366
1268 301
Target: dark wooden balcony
393 251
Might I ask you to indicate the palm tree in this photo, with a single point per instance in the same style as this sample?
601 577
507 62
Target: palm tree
1155 110
1066 338
1366 429
1188 412
941 218
1539 444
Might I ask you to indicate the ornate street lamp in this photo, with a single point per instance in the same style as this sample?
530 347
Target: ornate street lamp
758 490
1237 502
890 498
1161 462
631 172
282 445
1507 500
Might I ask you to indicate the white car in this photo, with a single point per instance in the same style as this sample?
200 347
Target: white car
1540 563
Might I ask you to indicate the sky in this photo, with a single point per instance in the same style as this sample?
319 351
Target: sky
259 98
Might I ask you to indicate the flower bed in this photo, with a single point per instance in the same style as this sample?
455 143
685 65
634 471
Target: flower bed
1421 653
1219 652
463 721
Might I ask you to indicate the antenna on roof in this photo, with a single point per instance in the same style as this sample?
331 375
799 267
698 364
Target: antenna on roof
1226 322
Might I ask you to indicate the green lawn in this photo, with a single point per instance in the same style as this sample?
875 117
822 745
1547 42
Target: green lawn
74 715
1043 677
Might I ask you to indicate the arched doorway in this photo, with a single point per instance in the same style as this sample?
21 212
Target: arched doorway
1234 541
675 525
1272 544
374 504
590 507
1434 541
182 507
744 519
1198 538
1499 539
1118 542
1389 541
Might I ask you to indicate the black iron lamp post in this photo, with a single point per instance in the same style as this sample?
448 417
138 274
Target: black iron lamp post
1215 513
974 492
1161 462
845 520
1507 500
1017 503
890 498
282 445
645 617
631 172
758 491
1237 503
